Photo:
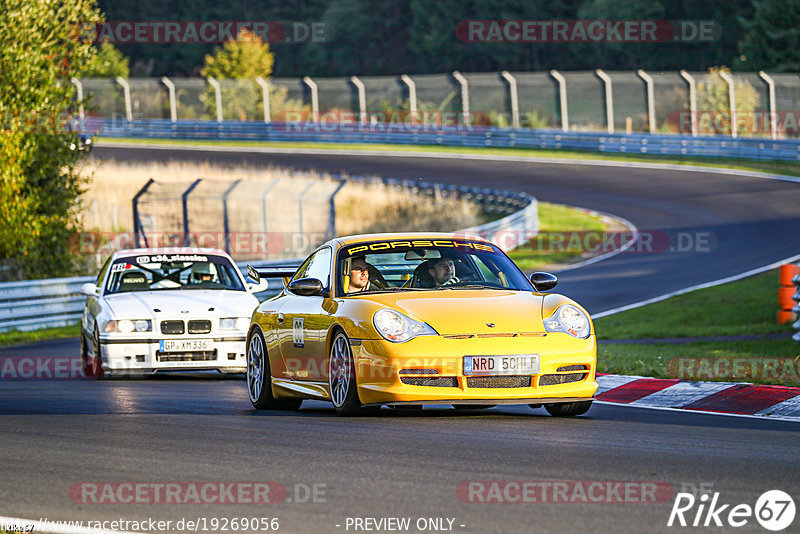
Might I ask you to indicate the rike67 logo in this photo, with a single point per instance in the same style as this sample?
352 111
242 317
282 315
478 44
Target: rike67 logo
774 510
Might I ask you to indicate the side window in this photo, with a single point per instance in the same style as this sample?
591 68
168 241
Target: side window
317 266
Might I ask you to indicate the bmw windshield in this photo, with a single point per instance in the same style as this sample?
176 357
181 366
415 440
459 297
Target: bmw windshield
151 272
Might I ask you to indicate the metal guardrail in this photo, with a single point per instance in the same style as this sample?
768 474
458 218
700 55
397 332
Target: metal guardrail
37 304
634 143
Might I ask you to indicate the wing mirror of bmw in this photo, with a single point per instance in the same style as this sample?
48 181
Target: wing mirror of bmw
306 287
89 289
543 281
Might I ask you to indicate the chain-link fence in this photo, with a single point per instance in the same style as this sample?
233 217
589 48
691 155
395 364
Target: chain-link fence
741 104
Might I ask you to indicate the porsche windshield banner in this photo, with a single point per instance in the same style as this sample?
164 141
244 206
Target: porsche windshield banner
383 246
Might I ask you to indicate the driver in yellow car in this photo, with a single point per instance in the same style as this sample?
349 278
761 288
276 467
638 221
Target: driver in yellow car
443 271
358 275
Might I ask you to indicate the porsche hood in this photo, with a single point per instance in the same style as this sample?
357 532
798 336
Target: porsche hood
464 311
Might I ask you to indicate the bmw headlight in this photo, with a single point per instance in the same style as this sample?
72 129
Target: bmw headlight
126 326
569 319
234 323
397 328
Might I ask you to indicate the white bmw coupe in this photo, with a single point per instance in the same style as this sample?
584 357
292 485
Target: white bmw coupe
166 309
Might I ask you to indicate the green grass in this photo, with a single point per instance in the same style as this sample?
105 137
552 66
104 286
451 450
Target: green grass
777 167
17 337
745 307
555 218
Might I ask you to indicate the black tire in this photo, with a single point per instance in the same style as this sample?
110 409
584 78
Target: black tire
259 377
473 406
568 409
342 377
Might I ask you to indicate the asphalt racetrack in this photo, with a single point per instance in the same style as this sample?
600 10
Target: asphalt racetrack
435 467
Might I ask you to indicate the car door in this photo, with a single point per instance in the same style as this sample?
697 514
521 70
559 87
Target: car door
304 322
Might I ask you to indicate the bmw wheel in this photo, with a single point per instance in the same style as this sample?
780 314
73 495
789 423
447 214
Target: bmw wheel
342 377
568 409
259 377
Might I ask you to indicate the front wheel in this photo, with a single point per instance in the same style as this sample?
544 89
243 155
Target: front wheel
568 409
259 377
92 365
342 377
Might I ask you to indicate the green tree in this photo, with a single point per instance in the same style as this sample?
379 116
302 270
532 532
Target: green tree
772 40
236 65
713 101
40 186
108 63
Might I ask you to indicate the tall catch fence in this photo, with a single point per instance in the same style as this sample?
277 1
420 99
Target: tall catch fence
739 104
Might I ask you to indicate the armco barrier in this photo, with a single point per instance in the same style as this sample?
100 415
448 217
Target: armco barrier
41 303
409 134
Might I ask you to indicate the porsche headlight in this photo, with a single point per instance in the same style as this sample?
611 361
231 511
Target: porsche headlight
126 326
569 319
234 323
397 328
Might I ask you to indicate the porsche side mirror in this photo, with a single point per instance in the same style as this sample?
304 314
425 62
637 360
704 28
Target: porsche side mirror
89 289
543 281
306 287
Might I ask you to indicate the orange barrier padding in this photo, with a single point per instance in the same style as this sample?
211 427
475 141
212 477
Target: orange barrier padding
786 316
785 294
788 271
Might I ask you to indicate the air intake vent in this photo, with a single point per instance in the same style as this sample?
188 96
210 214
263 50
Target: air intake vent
439 381
523 381
552 380
172 327
204 356
199 327
577 367
419 372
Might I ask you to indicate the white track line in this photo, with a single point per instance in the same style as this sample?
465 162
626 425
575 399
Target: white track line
56 527
681 410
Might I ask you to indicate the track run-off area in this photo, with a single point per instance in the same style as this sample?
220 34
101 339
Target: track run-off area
63 442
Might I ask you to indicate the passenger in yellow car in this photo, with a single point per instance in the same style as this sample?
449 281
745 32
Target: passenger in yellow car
443 271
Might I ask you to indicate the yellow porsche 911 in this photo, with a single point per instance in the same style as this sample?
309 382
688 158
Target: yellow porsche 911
413 319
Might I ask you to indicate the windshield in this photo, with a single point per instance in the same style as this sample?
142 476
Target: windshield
172 271
426 265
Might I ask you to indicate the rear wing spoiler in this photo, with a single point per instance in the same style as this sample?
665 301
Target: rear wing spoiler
285 272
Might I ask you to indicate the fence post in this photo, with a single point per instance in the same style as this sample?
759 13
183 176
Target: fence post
773 111
217 96
264 194
692 100
173 105
651 104
79 89
300 209
331 233
609 99
731 100
412 96
514 97
126 90
362 99
265 96
225 226
184 200
562 98
137 223
312 85
464 96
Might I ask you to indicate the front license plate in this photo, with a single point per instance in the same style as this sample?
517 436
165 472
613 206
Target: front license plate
515 364
184 345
